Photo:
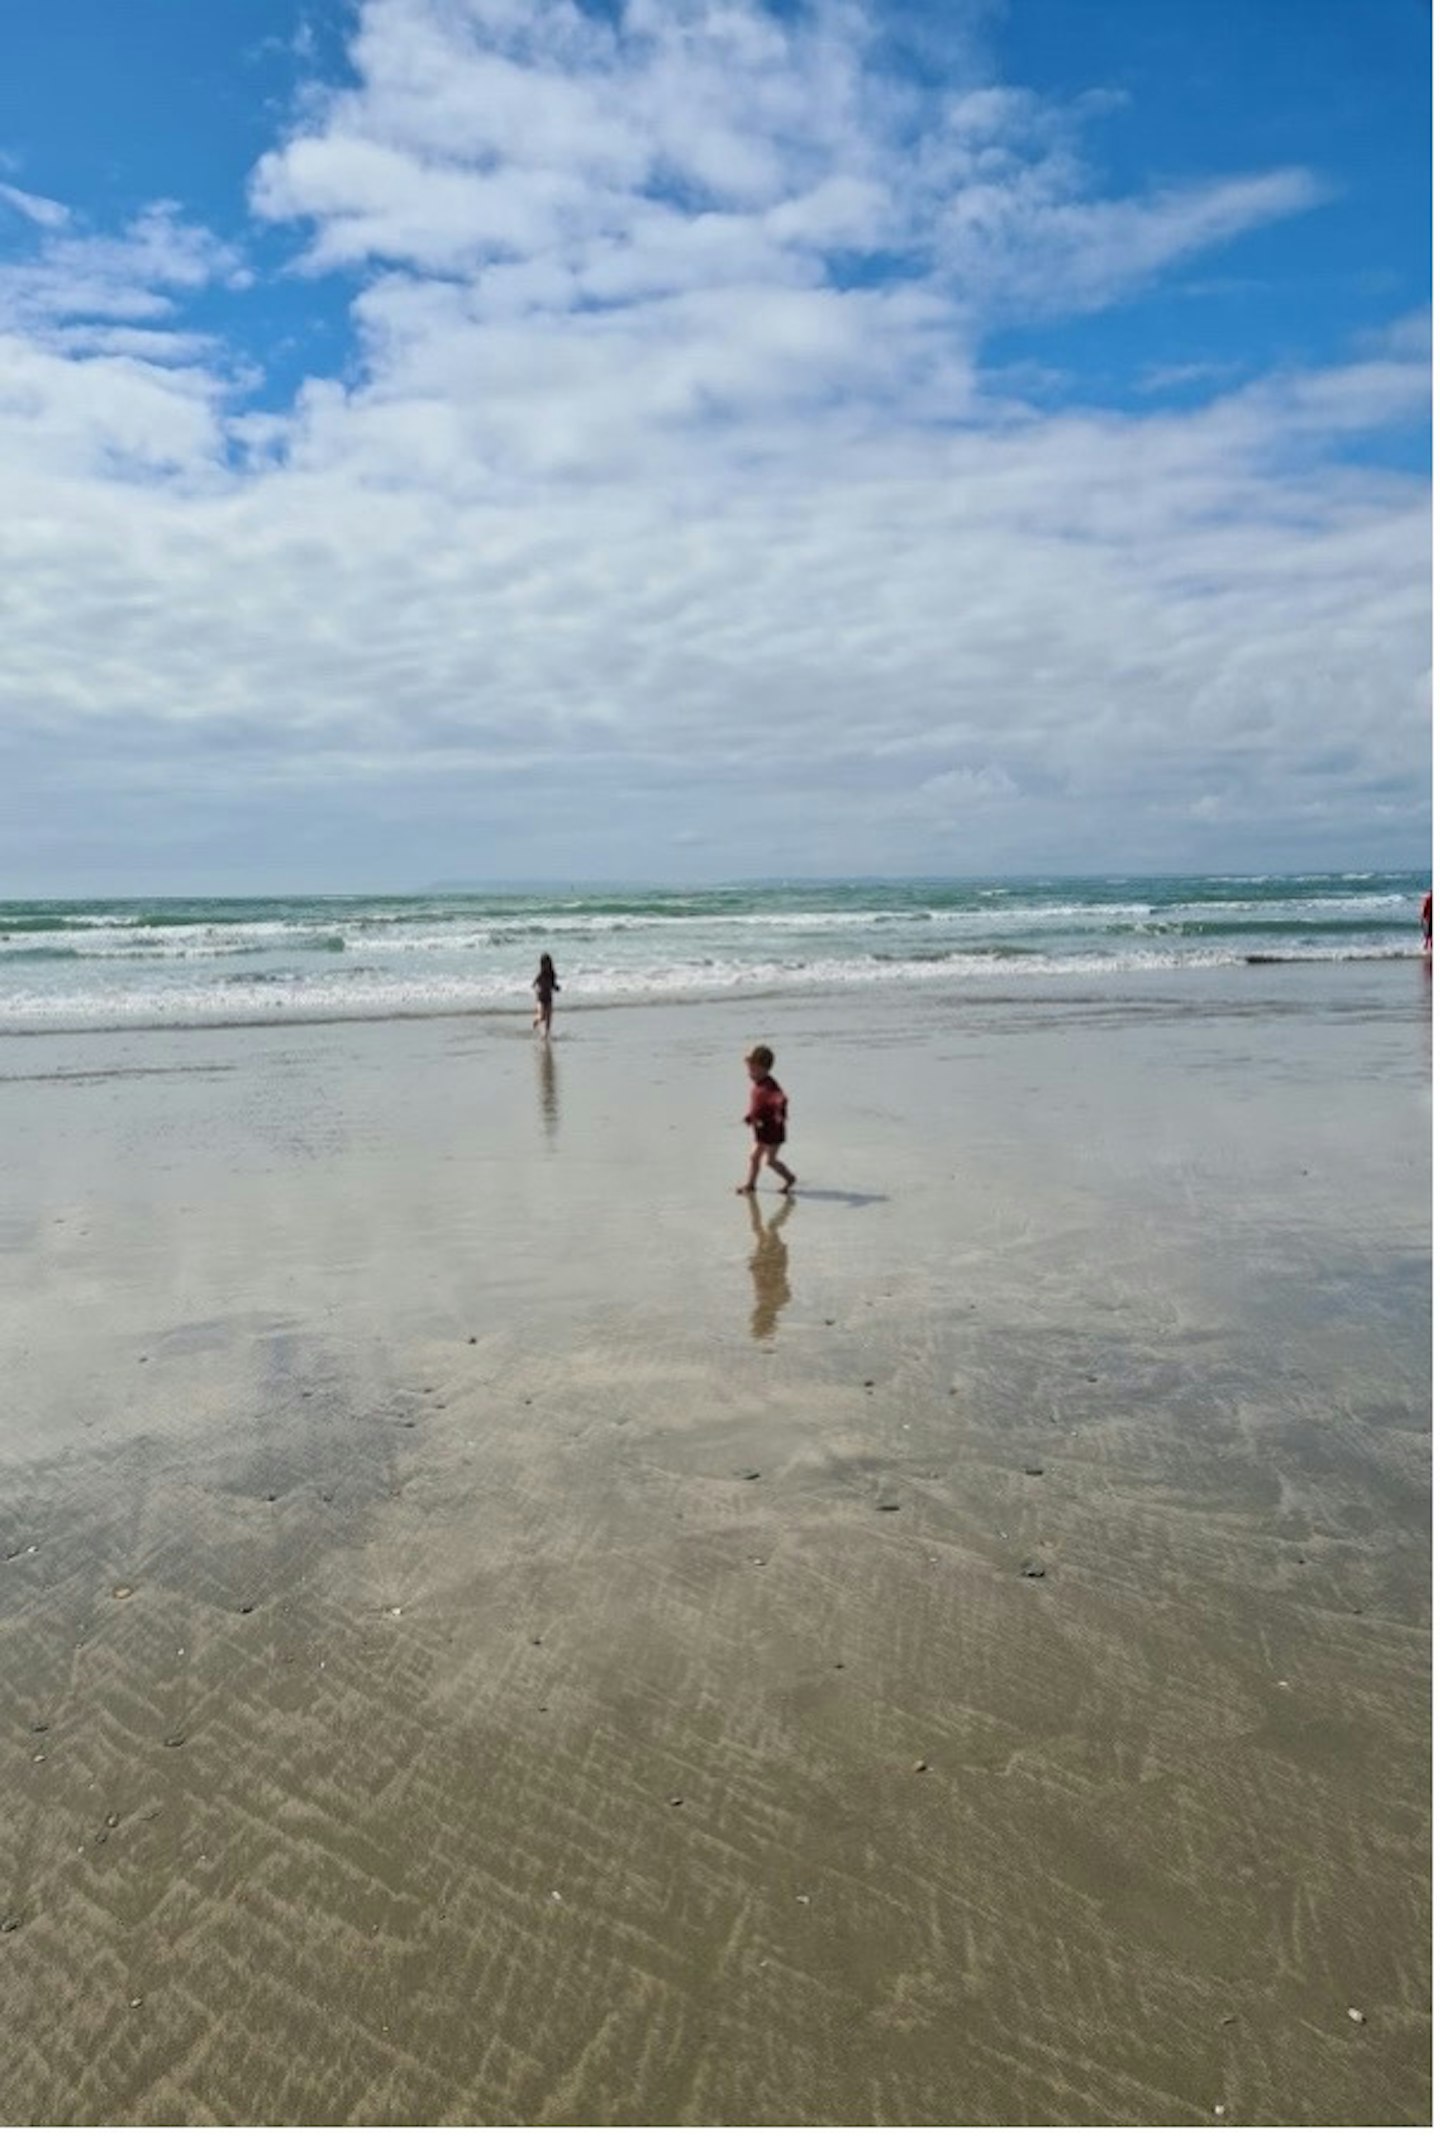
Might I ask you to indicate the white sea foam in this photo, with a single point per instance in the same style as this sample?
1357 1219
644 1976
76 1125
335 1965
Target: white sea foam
68 967
366 993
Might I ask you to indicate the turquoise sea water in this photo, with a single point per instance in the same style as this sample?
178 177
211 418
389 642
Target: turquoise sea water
77 964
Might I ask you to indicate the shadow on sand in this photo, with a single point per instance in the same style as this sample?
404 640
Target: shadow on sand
837 1194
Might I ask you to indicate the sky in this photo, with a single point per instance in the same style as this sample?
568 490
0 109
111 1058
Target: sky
689 440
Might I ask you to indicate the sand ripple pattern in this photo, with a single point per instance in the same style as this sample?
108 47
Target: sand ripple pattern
359 1806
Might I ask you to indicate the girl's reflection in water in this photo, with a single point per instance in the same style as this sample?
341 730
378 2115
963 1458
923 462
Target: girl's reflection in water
770 1267
549 1089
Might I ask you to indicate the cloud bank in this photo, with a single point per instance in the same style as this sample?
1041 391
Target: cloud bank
668 515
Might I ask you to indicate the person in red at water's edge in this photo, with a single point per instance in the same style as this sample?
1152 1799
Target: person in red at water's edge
766 1117
1425 924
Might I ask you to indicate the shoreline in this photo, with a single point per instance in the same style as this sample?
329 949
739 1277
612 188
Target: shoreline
1050 979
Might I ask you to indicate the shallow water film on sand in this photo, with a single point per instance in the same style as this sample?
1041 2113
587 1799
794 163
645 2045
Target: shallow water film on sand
496 1628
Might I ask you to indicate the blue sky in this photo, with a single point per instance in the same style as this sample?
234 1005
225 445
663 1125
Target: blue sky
499 438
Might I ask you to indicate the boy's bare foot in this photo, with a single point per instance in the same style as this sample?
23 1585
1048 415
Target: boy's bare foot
747 1187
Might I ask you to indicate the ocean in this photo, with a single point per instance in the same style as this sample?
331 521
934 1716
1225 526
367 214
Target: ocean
137 963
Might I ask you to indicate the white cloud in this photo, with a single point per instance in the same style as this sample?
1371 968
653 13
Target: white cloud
138 275
474 137
96 372
49 214
670 478
586 238
1020 243
115 415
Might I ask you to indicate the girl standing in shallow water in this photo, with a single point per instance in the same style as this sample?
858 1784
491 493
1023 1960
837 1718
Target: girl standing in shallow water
545 987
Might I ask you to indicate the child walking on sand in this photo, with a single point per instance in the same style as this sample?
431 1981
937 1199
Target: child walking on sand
545 987
766 1117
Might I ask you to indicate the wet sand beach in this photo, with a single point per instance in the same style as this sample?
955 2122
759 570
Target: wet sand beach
495 1628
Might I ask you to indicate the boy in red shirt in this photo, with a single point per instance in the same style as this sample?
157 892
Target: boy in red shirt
768 1107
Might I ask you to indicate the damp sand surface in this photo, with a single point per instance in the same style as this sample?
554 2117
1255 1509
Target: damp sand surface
495 1628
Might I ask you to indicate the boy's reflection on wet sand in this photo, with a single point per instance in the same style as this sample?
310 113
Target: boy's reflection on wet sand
770 1267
